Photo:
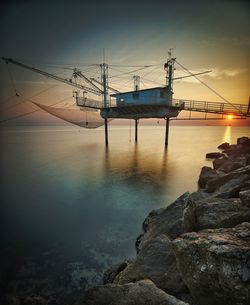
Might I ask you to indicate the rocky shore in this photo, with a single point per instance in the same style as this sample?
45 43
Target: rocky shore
195 251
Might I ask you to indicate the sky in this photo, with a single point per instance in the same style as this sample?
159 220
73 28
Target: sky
205 35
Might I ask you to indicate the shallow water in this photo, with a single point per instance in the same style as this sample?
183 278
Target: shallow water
71 207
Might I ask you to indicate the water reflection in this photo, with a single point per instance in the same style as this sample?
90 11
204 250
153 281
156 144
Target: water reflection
227 134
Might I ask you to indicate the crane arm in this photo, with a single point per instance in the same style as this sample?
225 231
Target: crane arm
60 79
110 88
79 73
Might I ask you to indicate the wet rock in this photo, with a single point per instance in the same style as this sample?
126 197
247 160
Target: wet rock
139 293
113 271
245 198
167 221
155 261
207 173
215 213
214 264
214 155
224 146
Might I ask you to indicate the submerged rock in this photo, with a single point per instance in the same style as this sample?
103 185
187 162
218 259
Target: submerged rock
139 293
214 264
167 221
155 261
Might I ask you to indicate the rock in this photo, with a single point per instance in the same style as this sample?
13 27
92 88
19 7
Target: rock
229 184
245 141
230 164
167 221
113 271
155 261
245 198
215 265
139 293
217 163
215 213
224 146
214 155
207 173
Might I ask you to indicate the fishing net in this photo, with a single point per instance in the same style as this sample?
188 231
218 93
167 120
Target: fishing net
83 117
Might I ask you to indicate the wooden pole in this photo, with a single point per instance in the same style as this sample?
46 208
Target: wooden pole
136 130
167 131
106 132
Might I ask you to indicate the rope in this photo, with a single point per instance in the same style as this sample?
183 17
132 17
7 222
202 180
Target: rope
203 83
12 81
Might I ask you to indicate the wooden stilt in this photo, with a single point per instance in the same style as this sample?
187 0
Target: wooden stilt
106 132
167 131
136 130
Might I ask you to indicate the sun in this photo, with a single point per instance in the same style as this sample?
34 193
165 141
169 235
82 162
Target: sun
230 117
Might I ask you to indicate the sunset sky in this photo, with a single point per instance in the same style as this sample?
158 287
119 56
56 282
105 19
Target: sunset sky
204 34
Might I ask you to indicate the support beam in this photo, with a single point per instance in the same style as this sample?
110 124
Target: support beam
167 131
136 130
106 132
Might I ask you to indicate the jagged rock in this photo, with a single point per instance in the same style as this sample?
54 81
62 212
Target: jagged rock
207 173
228 185
155 261
167 220
215 265
215 213
245 198
139 293
217 163
231 164
214 155
113 271
224 146
245 141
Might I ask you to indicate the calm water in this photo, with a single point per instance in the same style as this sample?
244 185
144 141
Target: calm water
71 207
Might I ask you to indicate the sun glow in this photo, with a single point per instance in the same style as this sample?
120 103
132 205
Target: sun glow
230 117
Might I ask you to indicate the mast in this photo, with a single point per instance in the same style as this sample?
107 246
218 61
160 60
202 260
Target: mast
104 77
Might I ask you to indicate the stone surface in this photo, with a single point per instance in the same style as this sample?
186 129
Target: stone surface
245 198
230 164
245 141
140 293
228 185
207 173
113 271
167 220
224 146
215 213
217 163
155 261
214 264
214 155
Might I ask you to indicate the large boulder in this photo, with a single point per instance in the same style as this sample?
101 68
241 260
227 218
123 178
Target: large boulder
167 221
214 264
228 185
244 141
155 261
139 293
223 146
230 164
211 213
207 173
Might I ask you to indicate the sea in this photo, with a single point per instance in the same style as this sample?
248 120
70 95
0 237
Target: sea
71 207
